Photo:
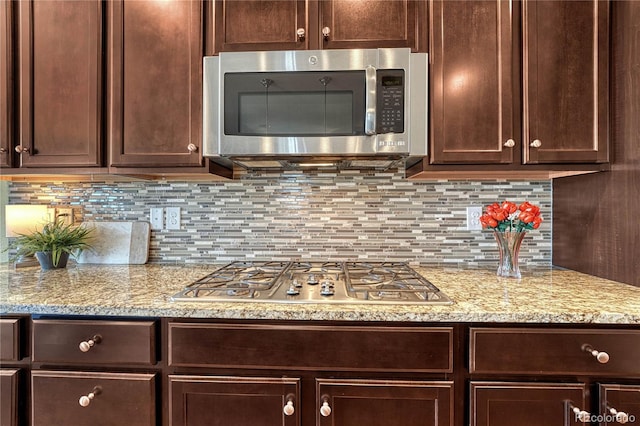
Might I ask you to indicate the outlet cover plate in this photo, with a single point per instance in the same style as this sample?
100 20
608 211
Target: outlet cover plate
473 218
173 217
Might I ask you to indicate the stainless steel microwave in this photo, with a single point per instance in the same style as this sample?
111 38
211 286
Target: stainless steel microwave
268 109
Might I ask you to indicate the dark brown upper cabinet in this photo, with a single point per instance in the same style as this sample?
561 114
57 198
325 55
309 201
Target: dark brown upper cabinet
324 24
566 81
60 83
154 83
6 84
473 110
477 58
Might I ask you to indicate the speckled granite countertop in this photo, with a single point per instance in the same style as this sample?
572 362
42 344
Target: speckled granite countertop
548 296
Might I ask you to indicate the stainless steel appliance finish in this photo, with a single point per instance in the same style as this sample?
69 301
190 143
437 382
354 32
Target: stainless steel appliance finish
315 282
377 146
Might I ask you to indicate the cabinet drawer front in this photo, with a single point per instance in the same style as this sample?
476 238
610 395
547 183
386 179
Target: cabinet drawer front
9 339
105 342
509 404
621 398
560 351
229 400
335 348
119 399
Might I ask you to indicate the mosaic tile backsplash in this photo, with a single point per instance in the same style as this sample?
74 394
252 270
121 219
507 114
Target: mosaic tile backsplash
346 215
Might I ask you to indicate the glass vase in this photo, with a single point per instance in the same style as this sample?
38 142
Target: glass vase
509 246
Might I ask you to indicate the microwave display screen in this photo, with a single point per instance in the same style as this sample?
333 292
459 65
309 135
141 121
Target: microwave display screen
391 80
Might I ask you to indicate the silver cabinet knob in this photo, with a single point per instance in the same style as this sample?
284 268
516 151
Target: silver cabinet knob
289 409
85 400
20 149
620 416
326 31
581 415
88 344
510 143
192 148
536 143
300 32
601 356
325 410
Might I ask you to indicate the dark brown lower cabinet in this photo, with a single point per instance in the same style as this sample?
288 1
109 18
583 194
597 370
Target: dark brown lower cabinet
92 398
619 404
526 404
383 403
237 401
8 397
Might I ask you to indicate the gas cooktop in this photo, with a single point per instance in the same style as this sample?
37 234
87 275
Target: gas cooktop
315 282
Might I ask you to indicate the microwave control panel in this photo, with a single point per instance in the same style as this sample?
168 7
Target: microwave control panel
390 101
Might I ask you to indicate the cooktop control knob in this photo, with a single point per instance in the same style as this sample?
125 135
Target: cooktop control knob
327 289
293 291
312 280
296 283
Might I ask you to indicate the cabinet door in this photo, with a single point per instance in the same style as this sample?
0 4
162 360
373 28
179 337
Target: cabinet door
349 24
473 119
60 51
525 404
383 403
6 84
92 399
260 25
155 80
8 397
622 401
566 81
237 401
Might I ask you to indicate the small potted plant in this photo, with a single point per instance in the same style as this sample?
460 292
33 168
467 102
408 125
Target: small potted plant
54 243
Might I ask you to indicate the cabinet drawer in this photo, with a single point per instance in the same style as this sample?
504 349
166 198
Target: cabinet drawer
335 348
560 351
105 342
9 339
119 399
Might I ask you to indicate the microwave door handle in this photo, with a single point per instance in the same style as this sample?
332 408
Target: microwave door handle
370 101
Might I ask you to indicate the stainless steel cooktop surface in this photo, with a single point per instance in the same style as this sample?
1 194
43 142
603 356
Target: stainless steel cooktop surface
315 282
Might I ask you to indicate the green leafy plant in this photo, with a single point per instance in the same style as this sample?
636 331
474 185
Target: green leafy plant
55 238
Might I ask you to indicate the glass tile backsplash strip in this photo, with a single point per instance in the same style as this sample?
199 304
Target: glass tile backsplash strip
343 215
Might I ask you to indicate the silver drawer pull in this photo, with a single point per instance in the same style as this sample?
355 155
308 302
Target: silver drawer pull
85 400
580 415
620 416
88 344
601 356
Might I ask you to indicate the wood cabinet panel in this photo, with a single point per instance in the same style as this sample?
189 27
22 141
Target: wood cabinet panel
560 351
60 75
216 400
473 104
6 84
525 404
622 399
373 24
566 74
9 339
378 403
155 83
119 398
8 397
117 342
260 25
335 348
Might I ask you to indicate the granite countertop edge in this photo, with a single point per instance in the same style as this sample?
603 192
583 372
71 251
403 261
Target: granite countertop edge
548 295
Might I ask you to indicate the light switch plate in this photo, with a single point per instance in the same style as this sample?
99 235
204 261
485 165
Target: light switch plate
173 217
157 218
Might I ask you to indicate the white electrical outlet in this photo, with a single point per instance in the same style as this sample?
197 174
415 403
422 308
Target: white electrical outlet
473 218
173 217
157 218
64 215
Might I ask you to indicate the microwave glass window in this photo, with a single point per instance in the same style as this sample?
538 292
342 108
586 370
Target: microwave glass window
299 113
311 103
